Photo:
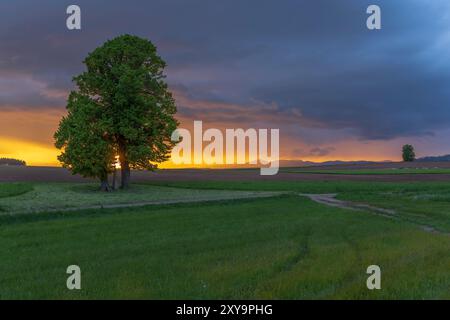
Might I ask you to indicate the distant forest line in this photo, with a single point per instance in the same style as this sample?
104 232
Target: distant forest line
12 162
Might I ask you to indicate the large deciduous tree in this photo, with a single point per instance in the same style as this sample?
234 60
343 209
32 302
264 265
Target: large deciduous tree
126 107
81 135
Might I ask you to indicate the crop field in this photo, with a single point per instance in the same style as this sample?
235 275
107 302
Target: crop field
225 239
393 171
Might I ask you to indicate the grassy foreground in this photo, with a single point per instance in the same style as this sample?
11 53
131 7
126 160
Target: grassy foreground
422 203
284 247
14 189
26 198
280 247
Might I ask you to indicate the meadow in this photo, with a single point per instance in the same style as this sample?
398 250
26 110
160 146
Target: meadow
226 240
27 198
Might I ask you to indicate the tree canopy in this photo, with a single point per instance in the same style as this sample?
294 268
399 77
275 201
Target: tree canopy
408 153
122 106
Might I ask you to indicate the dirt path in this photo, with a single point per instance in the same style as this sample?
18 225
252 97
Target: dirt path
330 200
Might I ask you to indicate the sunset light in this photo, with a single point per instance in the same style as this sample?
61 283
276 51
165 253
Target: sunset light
225 159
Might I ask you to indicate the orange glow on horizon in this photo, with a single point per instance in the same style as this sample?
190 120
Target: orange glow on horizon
32 153
37 154
45 154
28 135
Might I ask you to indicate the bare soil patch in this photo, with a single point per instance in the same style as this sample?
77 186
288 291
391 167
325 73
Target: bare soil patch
54 174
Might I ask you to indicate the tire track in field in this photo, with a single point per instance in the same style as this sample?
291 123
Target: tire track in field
303 251
330 200
287 264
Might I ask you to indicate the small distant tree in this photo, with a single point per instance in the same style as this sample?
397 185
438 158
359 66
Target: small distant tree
408 153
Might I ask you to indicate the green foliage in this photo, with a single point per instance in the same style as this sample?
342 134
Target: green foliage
125 77
81 136
126 109
408 153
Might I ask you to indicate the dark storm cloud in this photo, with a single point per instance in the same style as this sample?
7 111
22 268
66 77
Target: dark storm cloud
314 152
321 152
310 58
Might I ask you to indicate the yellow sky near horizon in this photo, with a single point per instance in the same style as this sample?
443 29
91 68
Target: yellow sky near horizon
28 135
39 154
32 153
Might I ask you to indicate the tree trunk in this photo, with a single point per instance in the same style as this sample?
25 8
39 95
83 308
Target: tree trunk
125 174
124 166
114 178
104 186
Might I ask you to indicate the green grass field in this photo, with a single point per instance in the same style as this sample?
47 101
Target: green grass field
416 202
24 198
8 190
285 246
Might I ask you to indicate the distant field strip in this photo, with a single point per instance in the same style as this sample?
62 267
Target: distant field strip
371 171
54 197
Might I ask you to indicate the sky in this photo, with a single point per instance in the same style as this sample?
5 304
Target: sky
335 89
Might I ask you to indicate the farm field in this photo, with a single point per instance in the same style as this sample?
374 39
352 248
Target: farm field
420 203
382 172
225 243
393 171
26 198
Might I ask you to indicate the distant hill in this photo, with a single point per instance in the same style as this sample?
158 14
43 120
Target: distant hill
444 158
11 162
